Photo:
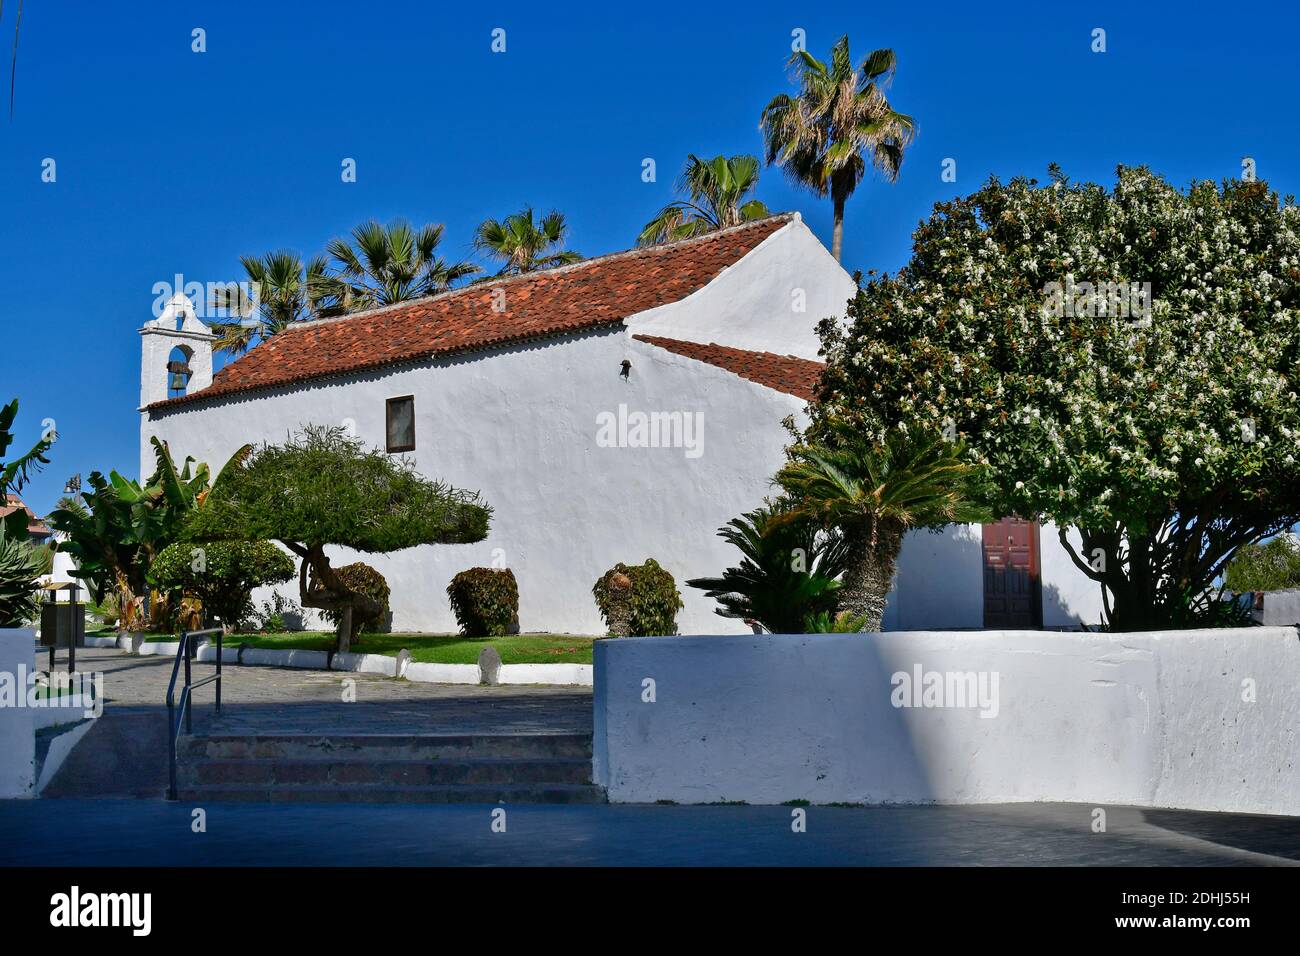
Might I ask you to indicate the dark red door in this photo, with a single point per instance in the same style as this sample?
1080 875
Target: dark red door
1013 596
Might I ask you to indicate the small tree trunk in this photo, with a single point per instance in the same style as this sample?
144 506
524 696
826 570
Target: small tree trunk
345 628
620 605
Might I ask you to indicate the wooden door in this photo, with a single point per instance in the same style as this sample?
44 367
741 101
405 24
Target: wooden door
1013 596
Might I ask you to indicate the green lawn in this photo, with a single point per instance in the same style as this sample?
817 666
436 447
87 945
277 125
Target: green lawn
429 648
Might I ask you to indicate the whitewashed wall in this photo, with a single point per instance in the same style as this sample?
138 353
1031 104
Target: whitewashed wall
520 426
940 582
1280 607
1150 719
752 305
17 727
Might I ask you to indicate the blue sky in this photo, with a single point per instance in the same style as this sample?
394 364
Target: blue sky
170 161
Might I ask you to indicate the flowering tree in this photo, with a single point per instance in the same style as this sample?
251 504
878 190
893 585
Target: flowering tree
1125 363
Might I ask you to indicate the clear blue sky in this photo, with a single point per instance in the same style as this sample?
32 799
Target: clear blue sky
171 161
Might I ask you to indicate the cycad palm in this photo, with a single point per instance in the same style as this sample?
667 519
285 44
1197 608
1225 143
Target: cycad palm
282 298
839 120
787 572
717 188
523 244
385 264
874 494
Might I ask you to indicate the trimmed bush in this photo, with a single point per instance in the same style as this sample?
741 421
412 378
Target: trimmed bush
485 602
640 599
363 579
221 574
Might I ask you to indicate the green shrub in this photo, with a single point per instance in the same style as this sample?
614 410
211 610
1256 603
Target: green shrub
485 601
274 615
824 622
1271 566
107 610
20 566
363 579
651 596
221 574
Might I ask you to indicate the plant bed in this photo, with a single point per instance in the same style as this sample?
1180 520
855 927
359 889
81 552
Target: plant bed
430 648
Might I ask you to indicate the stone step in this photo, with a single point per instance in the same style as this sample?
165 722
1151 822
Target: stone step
327 771
567 793
373 747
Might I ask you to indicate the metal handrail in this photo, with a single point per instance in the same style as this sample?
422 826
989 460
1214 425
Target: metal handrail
185 651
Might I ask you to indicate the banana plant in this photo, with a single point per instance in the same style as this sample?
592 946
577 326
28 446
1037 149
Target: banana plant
14 474
119 527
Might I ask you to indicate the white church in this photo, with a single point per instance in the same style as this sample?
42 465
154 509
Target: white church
621 408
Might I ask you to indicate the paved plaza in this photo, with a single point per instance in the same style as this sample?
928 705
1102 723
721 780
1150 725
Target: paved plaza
94 826
125 753
154 833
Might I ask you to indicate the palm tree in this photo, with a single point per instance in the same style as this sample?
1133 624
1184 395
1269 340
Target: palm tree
525 245
787 572
383 265
282 298
717 188
840 118
875 493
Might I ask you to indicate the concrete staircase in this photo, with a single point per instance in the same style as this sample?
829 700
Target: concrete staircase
388 768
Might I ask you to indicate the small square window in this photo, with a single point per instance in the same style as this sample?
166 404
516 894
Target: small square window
400 429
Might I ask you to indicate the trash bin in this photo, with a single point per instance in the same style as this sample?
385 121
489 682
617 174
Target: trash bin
63 622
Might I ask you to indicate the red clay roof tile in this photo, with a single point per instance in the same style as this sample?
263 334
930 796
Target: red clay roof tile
784 373
579 297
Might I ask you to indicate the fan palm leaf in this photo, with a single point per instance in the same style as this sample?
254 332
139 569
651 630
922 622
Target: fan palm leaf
839 122
524 244
717 189
382 265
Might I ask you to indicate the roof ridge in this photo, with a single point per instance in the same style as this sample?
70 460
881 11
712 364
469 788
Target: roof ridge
544 273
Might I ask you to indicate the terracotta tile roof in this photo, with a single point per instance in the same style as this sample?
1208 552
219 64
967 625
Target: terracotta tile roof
785 373
586 295
35 526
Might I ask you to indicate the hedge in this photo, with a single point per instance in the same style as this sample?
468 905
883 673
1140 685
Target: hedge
485 601
645 604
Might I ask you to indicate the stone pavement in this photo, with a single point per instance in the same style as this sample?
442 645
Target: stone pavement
125 753
87 833
292 700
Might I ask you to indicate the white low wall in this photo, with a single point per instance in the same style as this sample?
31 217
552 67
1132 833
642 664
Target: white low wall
17 723
1204 720
1280 607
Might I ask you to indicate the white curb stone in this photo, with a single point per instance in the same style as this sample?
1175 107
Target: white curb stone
443 673
570 674
365 664
314 660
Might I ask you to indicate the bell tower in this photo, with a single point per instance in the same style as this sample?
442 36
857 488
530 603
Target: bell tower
175 353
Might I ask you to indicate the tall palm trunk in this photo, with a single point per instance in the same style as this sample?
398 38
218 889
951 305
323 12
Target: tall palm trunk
837 233
864 588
